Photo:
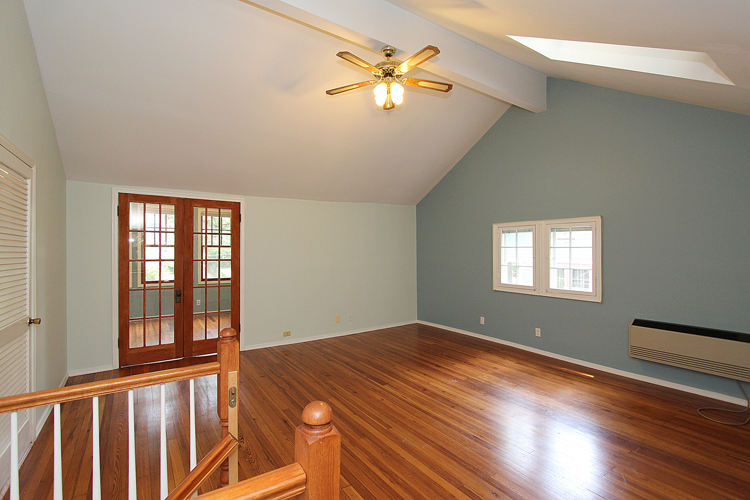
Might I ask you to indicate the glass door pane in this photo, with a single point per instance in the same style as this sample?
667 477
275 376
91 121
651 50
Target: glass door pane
152 274
214 271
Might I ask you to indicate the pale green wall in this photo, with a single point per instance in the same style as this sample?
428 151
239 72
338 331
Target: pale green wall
305 263
25 120
671 182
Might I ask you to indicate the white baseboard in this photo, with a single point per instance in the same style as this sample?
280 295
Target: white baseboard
324 336
643 378
88 371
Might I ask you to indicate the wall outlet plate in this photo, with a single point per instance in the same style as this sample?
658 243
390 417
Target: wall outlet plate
538 332
286 334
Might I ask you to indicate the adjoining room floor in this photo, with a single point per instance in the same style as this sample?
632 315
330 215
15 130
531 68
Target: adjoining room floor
429 414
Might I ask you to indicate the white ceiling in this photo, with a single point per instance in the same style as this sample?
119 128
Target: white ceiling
228 96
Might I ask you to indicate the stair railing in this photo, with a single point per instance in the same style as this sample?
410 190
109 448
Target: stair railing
313 476
224 454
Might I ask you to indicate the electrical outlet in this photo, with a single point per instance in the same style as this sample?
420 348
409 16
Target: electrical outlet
198 302
337 319
538 332
481 320
287 334
350 317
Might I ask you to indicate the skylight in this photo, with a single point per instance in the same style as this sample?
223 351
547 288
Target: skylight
677 63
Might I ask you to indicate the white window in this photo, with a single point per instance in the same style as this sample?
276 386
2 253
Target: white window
515 259
554 258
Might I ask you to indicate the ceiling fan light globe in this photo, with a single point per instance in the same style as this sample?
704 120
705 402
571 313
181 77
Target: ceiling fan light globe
397 93
380 91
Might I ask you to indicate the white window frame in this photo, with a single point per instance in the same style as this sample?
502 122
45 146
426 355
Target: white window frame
541 231
497 232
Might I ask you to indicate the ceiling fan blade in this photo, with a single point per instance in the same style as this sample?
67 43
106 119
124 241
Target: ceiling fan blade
428 84
348 56
350 87
418 58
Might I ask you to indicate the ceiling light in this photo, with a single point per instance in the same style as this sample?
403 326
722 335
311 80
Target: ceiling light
381 90
666 62
389 76
397 92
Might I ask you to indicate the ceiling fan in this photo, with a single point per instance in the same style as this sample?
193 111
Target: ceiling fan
389 76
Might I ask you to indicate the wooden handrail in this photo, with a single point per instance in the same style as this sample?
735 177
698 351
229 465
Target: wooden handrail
279 484
204 469
314 475
104 387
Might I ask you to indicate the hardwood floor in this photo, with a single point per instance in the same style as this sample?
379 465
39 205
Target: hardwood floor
429 414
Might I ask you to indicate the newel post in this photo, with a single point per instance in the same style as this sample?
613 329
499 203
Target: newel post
317 448
228 398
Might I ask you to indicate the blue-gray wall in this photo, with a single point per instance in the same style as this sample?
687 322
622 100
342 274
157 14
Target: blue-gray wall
672 183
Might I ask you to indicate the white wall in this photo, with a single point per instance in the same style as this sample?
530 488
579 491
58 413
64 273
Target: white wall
305 263
25 120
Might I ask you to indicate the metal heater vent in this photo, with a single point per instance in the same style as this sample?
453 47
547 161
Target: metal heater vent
718 352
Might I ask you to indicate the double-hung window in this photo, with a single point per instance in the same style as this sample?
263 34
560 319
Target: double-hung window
554 258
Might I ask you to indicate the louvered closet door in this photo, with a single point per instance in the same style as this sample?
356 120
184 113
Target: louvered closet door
15 205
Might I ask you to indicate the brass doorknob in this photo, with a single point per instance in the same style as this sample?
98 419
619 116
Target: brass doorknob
35 321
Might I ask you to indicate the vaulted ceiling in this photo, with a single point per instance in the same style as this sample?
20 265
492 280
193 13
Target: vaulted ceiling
228 96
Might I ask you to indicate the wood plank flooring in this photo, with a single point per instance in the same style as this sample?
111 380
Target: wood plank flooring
427 414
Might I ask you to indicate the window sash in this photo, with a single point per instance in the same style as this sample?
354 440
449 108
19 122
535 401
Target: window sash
564 260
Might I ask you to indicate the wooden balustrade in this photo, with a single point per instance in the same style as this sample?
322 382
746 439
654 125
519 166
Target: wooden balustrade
314 476
226 368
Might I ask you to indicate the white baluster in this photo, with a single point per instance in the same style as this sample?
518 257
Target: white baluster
57 495
14 456
163 440
131 448
193 453
96 482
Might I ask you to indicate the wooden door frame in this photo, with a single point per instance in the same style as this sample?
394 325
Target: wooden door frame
116 190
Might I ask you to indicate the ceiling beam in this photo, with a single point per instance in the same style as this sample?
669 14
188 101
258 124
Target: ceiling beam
375 23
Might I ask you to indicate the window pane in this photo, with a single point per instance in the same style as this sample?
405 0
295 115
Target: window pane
508 256
226 269
136 246
526 276
167 270
508 274
582 236
212 270
167 253
152 271
560 237
581 258
509 237
525 256
136 216
167 330
152 216
152 253
225 302
557 279
136 334
525 237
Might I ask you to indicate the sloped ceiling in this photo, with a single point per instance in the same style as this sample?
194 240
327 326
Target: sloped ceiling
228 96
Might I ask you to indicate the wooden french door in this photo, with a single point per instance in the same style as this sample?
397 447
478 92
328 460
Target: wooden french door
178 276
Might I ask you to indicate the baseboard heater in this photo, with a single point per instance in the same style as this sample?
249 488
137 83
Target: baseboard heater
718 352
